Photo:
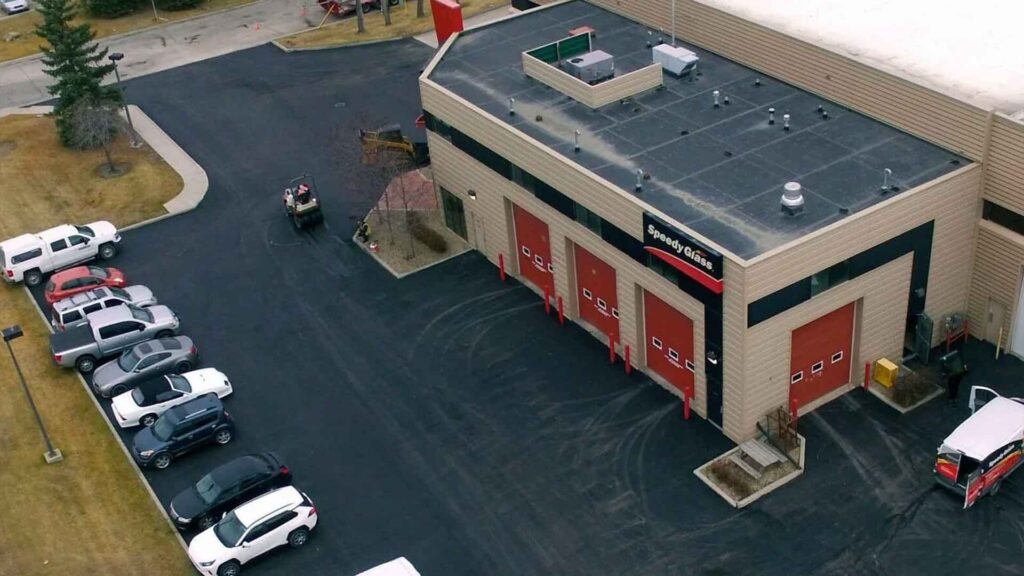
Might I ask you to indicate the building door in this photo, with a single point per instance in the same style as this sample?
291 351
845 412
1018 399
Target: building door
669 335
454 213
820 357
994 318
533 244
597 293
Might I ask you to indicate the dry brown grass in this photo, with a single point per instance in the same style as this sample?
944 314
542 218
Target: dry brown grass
404 24
90 512
29 43
45 184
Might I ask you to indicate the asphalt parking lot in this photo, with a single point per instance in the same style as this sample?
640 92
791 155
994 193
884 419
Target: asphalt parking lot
445 418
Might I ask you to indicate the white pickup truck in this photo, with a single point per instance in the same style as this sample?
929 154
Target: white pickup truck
29 256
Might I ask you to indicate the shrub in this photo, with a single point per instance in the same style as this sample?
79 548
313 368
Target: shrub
111 8
428 236
912 388
172 5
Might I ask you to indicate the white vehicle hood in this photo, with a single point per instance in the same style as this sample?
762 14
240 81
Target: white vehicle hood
206 547
104 230
207 380
141 295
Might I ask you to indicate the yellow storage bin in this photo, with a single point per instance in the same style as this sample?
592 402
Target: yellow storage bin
885 372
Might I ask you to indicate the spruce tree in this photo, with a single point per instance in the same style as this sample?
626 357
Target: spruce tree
75 62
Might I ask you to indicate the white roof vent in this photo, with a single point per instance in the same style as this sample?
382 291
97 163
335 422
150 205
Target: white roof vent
792 199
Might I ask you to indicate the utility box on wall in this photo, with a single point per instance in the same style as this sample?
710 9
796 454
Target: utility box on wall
447 18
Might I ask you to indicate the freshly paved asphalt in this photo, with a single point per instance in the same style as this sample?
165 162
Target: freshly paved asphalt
445 418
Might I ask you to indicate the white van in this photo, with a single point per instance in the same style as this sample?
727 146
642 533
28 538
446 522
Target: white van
984 449
29 256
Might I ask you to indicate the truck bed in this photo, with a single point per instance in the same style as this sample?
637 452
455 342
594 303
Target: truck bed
71 339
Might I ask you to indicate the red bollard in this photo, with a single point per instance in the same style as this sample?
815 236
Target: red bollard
611 349
794 410
547 302
629 366
686 407
501 266
561 312
867 374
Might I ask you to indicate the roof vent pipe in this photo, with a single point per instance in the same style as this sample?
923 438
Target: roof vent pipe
715 94
785 122
792 199
771 115
673 22
576 141
639 180
511 106
886 174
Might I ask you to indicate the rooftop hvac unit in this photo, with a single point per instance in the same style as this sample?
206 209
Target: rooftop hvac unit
592 67
674 59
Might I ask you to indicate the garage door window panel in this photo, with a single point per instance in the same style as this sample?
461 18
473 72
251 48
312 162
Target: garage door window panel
797 377
837 357
817 367
656 342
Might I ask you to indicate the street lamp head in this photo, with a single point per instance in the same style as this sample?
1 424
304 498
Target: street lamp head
12 332
116 56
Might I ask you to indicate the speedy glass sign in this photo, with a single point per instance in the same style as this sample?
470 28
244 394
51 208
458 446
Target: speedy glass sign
683 253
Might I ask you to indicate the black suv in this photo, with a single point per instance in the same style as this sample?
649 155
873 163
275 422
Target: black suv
182 429
226 487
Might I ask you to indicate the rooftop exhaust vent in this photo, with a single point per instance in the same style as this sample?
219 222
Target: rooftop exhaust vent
675 60
792 199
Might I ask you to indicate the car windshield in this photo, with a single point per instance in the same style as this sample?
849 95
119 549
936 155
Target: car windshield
180 383
98 272
229 530
120 293
163 428
50 286
138 396
129 358
85 230
142 314
208 489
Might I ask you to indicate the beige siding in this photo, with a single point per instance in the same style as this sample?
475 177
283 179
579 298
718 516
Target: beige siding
998 259
597 194
734 309
951 201
1004 177
882 304
457 172
933 116
557 79
646 78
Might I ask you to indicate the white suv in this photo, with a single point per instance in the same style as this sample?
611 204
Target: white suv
29 256
284 516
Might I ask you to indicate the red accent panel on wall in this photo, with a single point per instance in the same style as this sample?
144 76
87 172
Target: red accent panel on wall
597 293
669 335
447 18
533 245
820 357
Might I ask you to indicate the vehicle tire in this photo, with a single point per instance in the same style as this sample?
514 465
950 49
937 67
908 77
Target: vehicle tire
107 251
223 436
182 367
118 390
298 537
85 364
164 334
161 461
33 278
297 220
231 568
995 488
147 420
367 7
205 521
393 2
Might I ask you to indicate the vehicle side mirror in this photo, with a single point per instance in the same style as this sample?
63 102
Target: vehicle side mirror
141 328
246 544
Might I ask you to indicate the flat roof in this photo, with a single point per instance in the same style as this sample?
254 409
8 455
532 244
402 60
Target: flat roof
718 171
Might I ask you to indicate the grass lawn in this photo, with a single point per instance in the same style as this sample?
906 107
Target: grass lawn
45 184
89 513
28 43
404 23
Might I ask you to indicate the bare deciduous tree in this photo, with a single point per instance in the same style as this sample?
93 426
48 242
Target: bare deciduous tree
385 6
360 22
420 13
95 124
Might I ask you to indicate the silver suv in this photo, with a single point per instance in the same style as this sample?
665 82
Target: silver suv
71 312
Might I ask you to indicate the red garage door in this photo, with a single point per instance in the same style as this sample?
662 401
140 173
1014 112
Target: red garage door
820 359
595 288
534 247
669 336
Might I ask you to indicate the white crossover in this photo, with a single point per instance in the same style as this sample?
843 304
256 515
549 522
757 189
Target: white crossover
282 517
153 397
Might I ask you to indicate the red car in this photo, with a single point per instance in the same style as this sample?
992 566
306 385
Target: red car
81 279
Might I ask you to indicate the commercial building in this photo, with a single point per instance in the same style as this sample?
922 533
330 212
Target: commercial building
649 206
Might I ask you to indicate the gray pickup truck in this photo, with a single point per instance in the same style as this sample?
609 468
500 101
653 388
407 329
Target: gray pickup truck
107 332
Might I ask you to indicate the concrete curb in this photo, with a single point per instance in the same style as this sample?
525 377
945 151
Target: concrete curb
195 182
116 37
700 473
117 437
400 275
288 50
874 391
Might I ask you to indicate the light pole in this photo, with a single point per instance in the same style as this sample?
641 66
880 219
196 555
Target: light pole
52 454
115 58
155 16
